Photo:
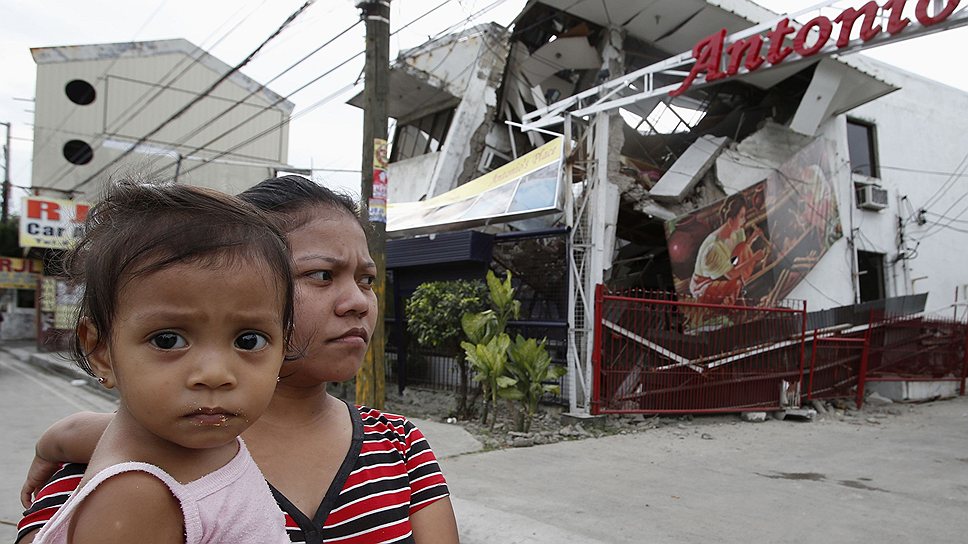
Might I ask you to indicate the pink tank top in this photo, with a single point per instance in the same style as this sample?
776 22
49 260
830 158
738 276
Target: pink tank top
232 504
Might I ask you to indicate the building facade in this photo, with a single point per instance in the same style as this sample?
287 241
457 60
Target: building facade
849 172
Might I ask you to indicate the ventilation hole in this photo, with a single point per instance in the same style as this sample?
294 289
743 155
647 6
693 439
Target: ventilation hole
80 92
78 152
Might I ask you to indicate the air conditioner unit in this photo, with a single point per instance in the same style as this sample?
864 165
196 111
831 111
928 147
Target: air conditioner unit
871 197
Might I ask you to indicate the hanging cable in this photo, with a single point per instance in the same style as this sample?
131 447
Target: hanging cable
198 98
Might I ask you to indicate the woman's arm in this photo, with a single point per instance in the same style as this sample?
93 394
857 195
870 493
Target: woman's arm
70 440
435 523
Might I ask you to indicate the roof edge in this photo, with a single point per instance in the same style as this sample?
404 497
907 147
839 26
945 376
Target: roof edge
91 52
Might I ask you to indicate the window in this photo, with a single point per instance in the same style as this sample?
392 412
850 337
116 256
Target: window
26 298
80 92
421 136
870 275
860 145
78 152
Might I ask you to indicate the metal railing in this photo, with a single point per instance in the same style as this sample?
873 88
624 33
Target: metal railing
649 357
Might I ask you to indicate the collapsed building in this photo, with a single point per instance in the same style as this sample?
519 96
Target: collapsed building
828 178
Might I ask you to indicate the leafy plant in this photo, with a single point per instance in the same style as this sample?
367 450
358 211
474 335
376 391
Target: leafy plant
434 316
530 366
489 362
503 304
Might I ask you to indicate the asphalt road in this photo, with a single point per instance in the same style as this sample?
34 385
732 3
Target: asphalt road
879 477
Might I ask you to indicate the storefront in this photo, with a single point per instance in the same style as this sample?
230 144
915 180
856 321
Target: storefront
48 227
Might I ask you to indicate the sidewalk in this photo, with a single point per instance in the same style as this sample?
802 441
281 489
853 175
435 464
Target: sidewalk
53 362
32 396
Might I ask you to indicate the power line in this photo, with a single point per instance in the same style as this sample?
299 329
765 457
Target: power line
196 56
302 87
258 89
199 98
266 131
114 61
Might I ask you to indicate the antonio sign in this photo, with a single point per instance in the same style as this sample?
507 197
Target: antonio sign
716 59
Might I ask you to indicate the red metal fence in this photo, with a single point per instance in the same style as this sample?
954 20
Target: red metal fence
648 358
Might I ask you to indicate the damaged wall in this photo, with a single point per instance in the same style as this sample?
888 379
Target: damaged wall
467 66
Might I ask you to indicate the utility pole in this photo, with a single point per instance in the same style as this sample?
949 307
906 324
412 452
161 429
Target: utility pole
6 177
371 379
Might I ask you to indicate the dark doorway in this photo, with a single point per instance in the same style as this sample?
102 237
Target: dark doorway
870 275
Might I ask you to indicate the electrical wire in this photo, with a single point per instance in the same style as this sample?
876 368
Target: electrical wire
43 145
202 95
160 87
325 99
260 88
286 97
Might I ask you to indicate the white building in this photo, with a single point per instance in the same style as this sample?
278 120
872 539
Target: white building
94 102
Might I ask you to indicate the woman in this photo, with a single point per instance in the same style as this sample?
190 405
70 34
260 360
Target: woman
337 471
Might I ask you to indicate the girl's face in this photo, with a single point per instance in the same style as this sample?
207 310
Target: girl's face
336 306
195 352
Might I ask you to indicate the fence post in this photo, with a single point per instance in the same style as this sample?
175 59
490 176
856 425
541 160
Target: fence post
964 369
813 364
803 347
597 350
862 373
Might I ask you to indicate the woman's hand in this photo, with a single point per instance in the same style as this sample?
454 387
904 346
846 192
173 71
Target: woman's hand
37 475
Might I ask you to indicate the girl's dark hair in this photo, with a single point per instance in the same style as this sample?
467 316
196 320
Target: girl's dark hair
140 228
290 200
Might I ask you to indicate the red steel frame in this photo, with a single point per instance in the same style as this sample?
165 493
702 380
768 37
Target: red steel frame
731 368
741 366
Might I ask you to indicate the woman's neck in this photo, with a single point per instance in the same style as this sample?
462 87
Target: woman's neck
296 406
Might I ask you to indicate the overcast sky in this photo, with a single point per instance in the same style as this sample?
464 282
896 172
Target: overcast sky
325 132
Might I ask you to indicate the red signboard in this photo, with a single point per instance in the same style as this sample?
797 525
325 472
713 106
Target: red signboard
715 59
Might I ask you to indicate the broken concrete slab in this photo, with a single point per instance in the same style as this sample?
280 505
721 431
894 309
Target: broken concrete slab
688 169
753 417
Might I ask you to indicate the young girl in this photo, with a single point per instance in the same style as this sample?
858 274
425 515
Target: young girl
187 311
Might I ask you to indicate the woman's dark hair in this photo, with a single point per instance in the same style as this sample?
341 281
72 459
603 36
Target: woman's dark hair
732 206
140 228
290 200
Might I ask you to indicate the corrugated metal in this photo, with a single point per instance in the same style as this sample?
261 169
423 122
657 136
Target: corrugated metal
450 247
858 314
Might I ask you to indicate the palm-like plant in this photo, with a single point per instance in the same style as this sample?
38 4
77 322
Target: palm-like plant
489 362
531 369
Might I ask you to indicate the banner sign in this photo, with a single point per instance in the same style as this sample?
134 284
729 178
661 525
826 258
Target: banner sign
20 273
378 201
754 247
528 186
52 223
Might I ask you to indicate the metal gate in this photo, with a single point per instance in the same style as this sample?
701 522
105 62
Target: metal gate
649 359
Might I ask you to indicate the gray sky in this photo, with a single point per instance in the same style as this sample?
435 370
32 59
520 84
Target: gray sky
325 132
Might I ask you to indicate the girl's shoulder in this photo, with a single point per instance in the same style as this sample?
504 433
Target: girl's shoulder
128 506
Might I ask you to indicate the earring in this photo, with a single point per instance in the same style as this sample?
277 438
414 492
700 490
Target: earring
101 380
278 378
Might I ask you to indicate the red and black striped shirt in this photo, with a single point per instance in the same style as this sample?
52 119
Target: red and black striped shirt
389 473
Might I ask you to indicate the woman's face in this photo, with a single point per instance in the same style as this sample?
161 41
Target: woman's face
336 306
